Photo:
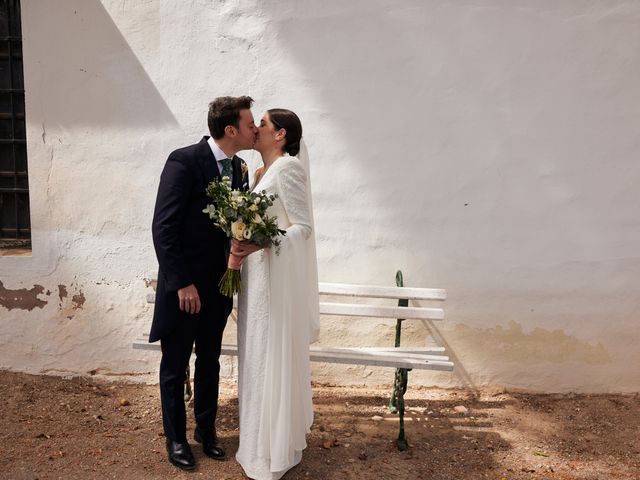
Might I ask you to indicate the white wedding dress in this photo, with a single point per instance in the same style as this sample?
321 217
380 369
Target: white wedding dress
277 319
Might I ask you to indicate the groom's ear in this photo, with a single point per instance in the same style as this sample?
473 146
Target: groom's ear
230 130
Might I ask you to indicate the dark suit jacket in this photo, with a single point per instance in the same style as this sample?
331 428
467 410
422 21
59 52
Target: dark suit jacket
190 249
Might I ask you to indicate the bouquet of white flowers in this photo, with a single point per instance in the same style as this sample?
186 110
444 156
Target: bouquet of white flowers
241 215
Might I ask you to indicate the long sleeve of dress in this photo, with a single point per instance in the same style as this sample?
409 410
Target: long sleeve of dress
293 184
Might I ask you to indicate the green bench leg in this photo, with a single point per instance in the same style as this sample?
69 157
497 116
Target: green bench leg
399 389
401 379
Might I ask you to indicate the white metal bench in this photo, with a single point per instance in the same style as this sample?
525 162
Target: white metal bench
401 358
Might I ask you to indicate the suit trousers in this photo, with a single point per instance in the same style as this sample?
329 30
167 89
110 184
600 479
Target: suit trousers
205 329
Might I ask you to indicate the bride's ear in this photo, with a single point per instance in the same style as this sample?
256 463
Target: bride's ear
281 134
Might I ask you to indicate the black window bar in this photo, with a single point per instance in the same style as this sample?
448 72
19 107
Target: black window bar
15 225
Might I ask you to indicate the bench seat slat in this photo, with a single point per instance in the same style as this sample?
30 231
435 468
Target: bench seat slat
408 293
409 350
381 311
427 350
143 344
380 360
418 352
381 353
352 356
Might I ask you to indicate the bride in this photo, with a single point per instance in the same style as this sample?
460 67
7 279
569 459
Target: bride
278 310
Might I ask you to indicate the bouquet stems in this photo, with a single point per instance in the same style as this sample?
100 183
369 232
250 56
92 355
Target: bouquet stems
231 283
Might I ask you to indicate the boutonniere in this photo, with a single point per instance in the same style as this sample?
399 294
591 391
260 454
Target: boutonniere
244 168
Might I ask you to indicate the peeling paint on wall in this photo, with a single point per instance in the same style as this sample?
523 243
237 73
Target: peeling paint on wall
70 301
22 298
78 300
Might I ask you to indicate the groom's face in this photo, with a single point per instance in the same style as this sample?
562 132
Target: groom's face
247 131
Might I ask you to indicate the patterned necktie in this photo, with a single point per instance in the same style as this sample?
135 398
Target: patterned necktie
226 167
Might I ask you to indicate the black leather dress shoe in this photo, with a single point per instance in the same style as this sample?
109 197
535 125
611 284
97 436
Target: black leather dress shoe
180 455
209 444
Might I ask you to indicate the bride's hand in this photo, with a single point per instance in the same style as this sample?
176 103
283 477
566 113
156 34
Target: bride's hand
242 249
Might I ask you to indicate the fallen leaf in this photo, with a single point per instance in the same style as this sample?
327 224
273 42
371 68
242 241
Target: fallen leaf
540 454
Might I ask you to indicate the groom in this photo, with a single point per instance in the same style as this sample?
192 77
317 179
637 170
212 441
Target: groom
192 256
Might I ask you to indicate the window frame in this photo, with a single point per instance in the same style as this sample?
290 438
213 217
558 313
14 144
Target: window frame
15 221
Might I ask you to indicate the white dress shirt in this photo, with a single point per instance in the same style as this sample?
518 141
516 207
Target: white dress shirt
218 154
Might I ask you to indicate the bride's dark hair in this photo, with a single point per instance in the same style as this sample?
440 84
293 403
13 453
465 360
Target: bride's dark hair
283 118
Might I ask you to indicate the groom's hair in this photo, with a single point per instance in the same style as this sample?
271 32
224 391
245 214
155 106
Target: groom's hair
225 111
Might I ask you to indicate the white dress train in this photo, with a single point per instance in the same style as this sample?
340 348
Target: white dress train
277 319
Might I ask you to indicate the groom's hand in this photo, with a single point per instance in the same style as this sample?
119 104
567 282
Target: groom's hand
189 299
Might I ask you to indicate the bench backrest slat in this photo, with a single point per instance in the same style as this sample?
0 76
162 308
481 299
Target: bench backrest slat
380 311
409 293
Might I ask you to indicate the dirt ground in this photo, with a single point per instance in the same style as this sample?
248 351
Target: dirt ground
81 428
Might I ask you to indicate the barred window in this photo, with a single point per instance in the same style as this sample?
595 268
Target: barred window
15 225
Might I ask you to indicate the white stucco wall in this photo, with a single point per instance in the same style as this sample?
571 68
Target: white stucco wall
485 147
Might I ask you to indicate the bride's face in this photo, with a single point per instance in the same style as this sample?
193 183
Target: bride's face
268 136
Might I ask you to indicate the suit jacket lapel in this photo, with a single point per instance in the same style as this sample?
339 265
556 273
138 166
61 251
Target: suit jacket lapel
236 181
207 161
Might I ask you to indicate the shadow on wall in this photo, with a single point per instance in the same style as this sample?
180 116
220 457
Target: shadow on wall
83 72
